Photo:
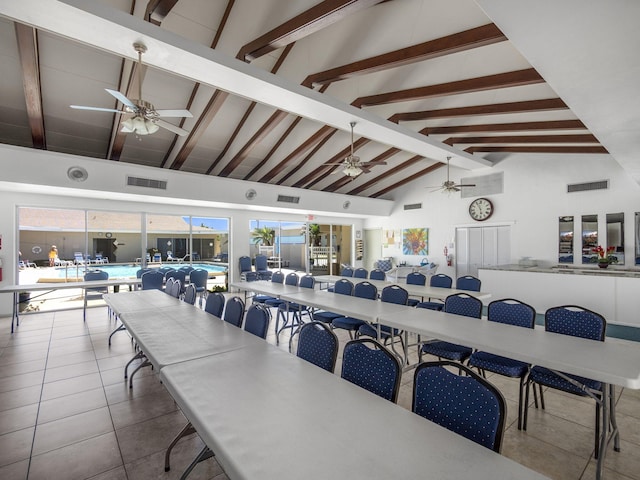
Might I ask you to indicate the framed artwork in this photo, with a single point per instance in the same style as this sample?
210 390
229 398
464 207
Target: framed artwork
391 238
415 241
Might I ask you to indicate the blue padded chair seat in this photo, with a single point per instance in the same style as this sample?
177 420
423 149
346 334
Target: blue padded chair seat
497 364
263 298
431 305
273 302
348 323
372 331
447 350
546 377
326 317
412 302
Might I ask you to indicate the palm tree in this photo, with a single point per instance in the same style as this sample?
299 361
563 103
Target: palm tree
264 235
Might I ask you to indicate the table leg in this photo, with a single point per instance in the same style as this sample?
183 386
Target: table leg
15 310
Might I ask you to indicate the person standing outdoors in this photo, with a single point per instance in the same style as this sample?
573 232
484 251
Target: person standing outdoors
53 255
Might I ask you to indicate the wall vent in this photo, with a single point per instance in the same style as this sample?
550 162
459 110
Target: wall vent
413 206
288 199
582 187
146 182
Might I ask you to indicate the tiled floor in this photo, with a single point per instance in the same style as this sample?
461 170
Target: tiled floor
66 412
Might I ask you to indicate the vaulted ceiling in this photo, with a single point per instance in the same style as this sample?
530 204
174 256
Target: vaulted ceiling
436 71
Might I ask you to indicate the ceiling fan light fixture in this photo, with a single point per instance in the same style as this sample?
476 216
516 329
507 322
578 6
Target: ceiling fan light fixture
352 170
139 126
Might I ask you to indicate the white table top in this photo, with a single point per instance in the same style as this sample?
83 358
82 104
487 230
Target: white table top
613 361
173 331
424 291
361 308
139 300
268 414
65 285
265 287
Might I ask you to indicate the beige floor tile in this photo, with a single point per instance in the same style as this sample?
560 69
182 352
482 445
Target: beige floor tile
22 367
20 397
15 382
68 430
141 408
15 446
69 371
73 404
15 471
18 418
70 359
77 461
118 473
71 385
146 383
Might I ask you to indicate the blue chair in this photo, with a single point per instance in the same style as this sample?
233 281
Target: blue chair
377 274
96 292
187 269
467 405
157 257
261 268
360 273
173 287
190 294
152 280
577 322
257 320
415 278
459 304
234 311
366 363
510 312
285 308
165 270
441 281
361 290
346 272
291 279
198 279
317 344
276 277
341 287
245 267
179 276
141 271
215 304
468 282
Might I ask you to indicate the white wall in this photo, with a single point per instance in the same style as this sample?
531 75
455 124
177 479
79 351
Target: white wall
534 197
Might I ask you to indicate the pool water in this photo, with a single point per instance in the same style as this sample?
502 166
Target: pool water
129 271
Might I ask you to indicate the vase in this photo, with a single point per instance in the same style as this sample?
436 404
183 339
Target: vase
603 264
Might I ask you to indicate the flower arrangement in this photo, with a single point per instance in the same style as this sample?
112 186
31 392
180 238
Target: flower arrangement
604 256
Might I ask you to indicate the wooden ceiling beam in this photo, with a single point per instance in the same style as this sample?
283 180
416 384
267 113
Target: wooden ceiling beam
27 38
345 179
458 42
479 84
508 127
157 10
406 180
275 147
310 21
392 171
489 109
522 139
536 149
292 171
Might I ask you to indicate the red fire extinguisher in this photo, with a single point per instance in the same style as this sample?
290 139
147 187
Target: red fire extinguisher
0 269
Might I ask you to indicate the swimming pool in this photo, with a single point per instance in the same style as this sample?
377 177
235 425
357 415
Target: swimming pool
129 271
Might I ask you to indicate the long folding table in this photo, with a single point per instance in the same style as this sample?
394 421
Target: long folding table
251 405
613 362
265 287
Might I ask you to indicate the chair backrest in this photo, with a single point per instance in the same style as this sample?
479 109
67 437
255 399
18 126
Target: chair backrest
96 275
307 281
199 277
512 312
187 269
318 344
164 270
360 273
142 271
215 304
152 280
257 320
377 274
394 294
174 288
261 262
465 404
190 294
291 279
168 286
343 287
346 272
441 280
416 278
277 277
575 321
78 257
176 275
365 290
157 257
468 282
463 304
245 264
369 365
234 311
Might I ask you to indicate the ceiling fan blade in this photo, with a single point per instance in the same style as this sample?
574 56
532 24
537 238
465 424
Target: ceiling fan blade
373 163
97 109
124 100
171 127
466 185
174 113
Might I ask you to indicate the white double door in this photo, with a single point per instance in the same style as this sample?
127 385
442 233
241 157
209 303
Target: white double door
478 247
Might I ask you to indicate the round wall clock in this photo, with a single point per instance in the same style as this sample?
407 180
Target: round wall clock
481 209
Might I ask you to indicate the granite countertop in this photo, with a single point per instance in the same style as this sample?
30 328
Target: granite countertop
611 271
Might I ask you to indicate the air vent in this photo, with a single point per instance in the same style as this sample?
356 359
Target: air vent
413 206
582 187
288 199
146 182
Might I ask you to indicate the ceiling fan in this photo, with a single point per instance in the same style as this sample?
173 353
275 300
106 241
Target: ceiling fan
146 119
352 166
449 186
